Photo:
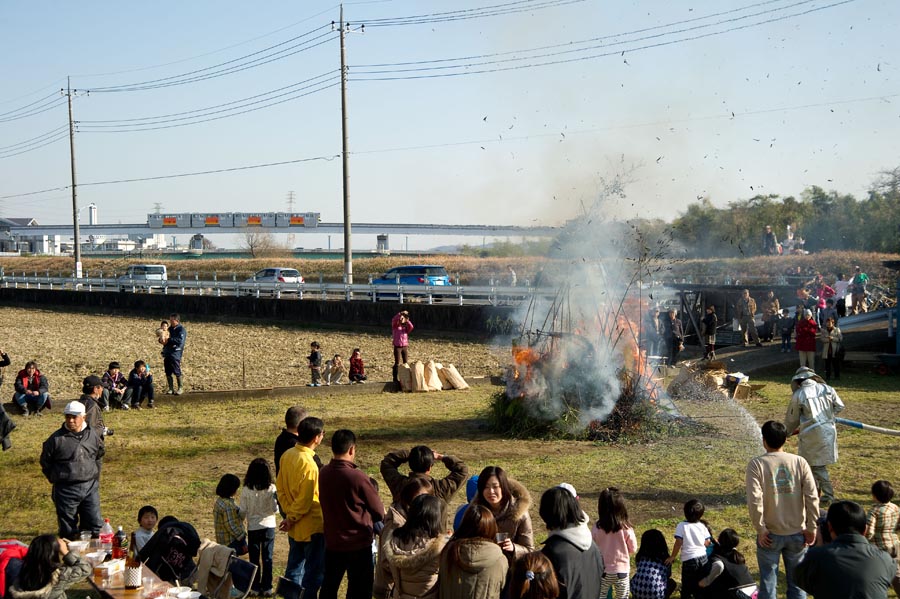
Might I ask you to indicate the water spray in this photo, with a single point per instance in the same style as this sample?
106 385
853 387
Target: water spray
867 427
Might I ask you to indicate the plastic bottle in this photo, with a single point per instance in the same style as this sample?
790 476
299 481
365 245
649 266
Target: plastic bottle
120 544
106 536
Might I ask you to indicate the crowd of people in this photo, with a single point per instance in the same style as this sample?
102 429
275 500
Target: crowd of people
337 526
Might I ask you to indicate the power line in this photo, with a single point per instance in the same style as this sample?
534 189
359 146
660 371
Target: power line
194 76
133 128
98 123
469 13
35 111
34 139
21 108
63 135
593 56
570 43
55 85
211 52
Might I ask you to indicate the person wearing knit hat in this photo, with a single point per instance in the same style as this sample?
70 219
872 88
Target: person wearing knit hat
71 459
811 411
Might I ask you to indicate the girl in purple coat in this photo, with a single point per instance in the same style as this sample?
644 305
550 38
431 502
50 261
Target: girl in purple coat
401 327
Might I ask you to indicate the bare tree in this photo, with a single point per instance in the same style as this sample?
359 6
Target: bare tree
262 244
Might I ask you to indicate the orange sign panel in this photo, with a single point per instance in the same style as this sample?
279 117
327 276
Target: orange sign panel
254 220
170 221
212 221
297 220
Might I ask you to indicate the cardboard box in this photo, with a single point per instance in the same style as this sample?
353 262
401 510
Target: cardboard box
107 569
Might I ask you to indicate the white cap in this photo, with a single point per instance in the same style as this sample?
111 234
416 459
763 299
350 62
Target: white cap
569 488
74 408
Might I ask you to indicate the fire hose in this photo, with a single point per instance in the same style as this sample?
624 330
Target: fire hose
867 427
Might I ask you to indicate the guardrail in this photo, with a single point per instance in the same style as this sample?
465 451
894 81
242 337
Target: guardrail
429 294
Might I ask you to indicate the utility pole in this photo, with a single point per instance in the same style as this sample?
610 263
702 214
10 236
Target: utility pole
290 203
348 252
76 230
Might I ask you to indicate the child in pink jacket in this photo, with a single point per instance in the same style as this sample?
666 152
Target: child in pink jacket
401 327
615 538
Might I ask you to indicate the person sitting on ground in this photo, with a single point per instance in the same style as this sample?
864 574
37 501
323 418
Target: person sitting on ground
882 525
576 559
357 367
534 578
509 502
140 382
334 370
32 390
652 575
413 551
147 518
115 388
727 567
421 459
472 563
848 566
48 569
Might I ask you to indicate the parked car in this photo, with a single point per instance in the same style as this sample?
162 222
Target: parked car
269 277
407 276
143 277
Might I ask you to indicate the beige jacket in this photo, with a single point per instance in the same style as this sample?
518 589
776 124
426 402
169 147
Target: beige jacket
781 494
414 565
480 573
515 519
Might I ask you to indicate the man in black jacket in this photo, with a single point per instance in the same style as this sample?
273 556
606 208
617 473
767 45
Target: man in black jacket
71 459
172 353
849 566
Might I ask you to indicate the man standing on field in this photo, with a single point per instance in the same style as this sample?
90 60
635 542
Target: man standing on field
784 505
172 353
298 494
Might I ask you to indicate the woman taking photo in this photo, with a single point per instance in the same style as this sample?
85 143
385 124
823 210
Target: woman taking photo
413 551
508 502
472 564
49 569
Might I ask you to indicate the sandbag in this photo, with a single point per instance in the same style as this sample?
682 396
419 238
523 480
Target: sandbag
418 377
432 381
445 382
404 375
454 378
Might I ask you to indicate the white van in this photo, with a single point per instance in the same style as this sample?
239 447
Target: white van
143 277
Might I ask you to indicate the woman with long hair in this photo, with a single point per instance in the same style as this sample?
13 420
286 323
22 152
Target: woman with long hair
49 569
652 577
472 563
394 518
413 551
508 502
259 504
727 569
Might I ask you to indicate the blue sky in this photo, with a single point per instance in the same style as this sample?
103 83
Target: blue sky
770 108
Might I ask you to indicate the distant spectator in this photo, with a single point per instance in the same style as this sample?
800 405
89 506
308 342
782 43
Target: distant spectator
672 335
48 569
421 459
745 308
162 333
806 339
314 361
823 293
840 295
32 389
832 349
472 564
115 388
652 332
140 381
848 566
770 242
173 352
708 327
357 367
6 424
786 325
401 327
512 275
783 505
770 310
882 525
858 288
334 370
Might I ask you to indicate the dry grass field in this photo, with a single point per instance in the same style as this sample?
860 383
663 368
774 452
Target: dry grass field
172 457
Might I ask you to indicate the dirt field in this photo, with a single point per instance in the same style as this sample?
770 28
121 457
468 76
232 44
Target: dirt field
219 355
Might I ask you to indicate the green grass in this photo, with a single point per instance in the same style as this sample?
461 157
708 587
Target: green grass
172 457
